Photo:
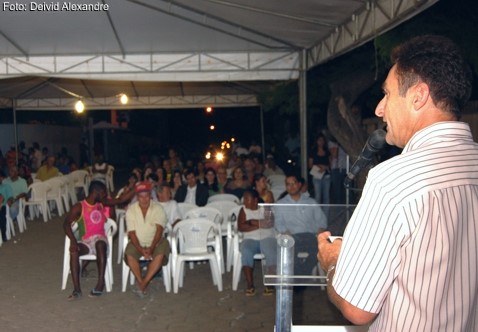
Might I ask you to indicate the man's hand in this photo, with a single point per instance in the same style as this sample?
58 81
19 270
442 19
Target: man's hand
147 253
328 252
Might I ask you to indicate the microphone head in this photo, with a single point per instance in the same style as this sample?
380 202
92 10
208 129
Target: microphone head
376 141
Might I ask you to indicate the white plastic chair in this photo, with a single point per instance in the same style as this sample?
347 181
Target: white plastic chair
215 216
110 186
110 230
231 232
165 270
226 207
193 234
185 207
10 229
121 217
22 226
56 193
80 180
65 191
223 197
37 203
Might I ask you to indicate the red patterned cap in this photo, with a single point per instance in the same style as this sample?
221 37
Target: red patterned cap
142 187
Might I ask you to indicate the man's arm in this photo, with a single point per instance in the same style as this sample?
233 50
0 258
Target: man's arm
135 242
157 237
245 225
71 217
328 256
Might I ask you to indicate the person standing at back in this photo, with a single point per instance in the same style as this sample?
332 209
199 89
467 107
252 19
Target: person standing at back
408 260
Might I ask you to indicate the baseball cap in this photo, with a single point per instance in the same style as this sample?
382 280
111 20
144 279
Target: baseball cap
142 187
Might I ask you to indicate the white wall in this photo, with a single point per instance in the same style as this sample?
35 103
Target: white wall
52 136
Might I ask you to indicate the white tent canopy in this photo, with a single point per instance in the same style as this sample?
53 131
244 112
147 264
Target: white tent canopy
182 53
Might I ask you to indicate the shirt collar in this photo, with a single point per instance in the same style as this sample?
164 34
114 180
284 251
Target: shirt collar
439 132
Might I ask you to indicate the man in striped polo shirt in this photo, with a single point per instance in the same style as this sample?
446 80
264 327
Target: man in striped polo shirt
408 260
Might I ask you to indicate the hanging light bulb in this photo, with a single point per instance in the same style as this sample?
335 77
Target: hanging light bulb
123 99
79 107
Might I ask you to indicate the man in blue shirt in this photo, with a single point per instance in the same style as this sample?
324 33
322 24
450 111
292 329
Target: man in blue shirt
302 220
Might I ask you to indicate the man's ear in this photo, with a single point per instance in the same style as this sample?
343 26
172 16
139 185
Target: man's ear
421 95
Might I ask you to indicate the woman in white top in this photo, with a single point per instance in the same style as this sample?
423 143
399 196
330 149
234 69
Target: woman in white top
259 237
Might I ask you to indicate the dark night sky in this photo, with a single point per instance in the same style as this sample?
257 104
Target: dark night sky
187 129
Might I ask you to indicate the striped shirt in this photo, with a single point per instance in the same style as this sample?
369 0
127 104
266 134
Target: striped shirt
410 249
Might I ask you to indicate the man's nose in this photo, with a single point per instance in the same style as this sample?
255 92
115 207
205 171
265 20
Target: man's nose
379 108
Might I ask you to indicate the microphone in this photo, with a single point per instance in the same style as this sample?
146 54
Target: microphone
375 143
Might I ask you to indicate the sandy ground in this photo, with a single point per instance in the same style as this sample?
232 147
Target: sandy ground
32 299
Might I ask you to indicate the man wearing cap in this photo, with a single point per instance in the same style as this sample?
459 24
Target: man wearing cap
145 221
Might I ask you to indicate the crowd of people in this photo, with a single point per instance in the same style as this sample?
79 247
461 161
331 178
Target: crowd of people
36 159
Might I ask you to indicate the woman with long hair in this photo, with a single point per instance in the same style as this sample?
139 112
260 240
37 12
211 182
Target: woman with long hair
260 185
210 180
238 184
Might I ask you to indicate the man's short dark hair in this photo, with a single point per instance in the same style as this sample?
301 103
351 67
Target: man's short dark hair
294 175
96 185
190 171
438 62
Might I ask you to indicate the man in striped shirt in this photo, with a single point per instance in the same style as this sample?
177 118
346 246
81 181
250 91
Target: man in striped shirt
408 260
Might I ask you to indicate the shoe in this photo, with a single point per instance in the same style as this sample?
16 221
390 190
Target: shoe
250 291
76 295
268 291
95 293
139 293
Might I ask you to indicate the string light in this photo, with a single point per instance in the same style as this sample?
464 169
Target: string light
123 99
79 107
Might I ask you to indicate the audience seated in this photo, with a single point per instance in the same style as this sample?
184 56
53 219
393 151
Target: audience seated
271 166
303 223
6 197
99 169
19 190
48 170
260 185
249 168
174 160
176 182
221 175
211 181
200 171
238 183
258 237
90 215
146 221
161 173
169 205
192 192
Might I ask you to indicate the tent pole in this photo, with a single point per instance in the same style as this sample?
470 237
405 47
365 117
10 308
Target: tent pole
91 141
303 113
263 141
15 132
